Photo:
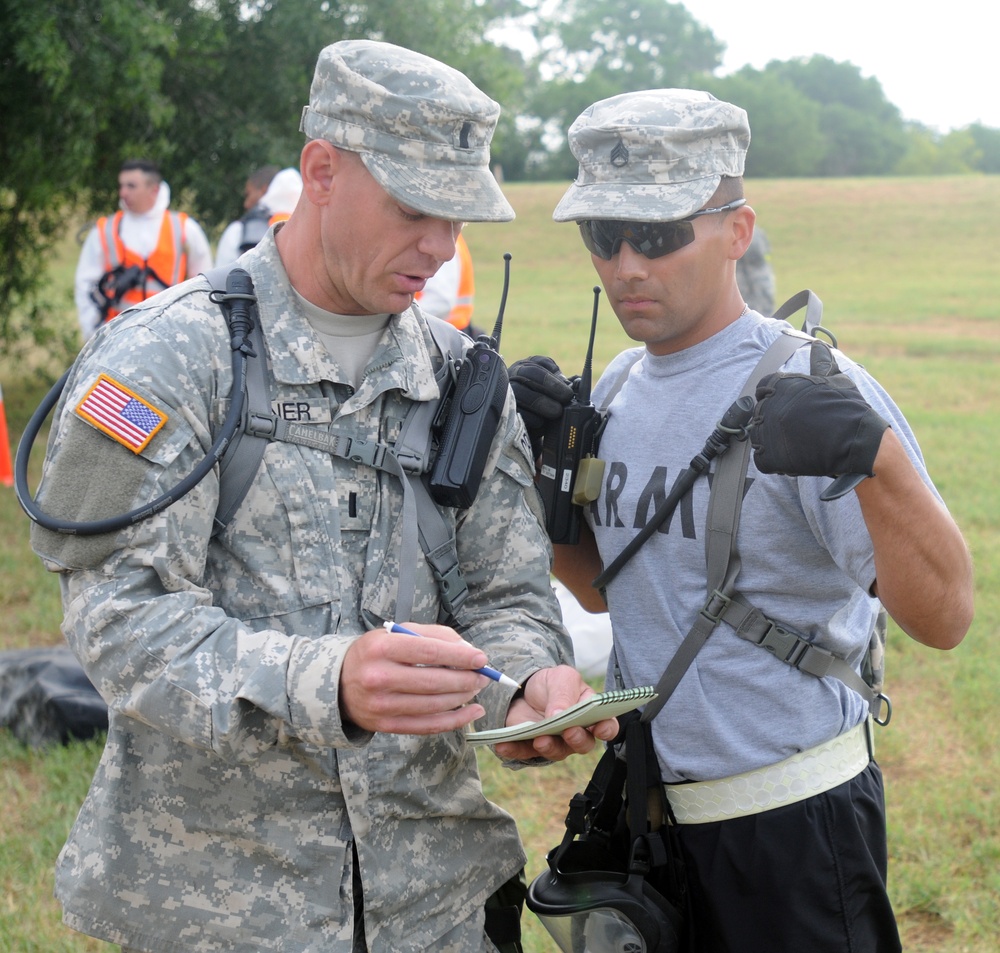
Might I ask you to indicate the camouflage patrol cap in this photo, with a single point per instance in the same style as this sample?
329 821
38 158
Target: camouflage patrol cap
653 156
422 129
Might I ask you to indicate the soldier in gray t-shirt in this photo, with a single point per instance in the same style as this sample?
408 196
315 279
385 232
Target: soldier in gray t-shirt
767 766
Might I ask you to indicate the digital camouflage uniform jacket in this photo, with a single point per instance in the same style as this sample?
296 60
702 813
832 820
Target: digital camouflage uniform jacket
223 811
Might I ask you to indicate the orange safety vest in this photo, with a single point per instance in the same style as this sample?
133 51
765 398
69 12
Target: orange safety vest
461 313
166 266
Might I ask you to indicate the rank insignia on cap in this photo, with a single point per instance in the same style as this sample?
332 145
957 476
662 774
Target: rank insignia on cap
125 417
619 155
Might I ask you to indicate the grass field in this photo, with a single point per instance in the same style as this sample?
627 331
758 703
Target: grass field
908 277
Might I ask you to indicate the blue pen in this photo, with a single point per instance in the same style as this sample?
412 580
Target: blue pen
485 670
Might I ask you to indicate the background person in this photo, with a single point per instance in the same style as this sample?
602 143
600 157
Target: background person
450 293
275 205
140 250
282 773
256 185
769 769
755 274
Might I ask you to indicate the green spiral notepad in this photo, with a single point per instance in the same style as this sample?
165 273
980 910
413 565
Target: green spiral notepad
582 714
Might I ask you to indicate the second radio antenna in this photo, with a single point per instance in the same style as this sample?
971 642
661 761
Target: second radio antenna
583 391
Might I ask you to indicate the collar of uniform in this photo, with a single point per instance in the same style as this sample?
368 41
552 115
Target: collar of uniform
403 353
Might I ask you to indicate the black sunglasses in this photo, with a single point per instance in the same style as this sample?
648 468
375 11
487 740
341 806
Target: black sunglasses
603 236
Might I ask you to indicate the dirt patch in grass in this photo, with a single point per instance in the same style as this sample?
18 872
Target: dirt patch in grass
924 932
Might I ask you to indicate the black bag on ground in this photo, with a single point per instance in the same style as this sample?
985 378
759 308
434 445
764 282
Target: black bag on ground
46 697
616 882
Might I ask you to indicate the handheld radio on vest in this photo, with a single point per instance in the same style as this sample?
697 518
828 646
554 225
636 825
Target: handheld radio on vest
570 473
471 416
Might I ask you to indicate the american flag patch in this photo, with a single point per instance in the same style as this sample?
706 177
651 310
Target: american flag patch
122 415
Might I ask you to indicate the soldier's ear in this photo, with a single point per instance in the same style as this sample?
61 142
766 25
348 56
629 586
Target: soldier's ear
741 223
319 163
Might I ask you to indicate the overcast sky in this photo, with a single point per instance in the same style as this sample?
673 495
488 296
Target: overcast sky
937 64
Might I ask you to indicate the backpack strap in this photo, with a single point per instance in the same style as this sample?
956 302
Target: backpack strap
722 556
814 311
724 602
726 497
725 502
344 442
241 459
407 460
789 647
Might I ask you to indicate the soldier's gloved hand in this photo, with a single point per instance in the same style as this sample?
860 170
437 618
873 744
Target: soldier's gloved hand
541 391
815 424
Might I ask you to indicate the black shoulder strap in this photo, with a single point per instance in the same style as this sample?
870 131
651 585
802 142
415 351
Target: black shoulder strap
238 464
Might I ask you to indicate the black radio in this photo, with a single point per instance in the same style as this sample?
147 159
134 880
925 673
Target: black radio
570 475
471 416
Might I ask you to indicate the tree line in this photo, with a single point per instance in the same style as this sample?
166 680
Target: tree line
212 89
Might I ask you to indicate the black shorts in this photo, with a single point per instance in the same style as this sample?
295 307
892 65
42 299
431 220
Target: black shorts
805 878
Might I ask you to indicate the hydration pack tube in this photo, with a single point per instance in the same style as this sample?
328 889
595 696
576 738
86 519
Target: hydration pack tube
237 303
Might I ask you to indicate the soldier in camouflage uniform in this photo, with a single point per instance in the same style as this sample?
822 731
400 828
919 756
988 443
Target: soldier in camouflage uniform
281 773
768 767
755 274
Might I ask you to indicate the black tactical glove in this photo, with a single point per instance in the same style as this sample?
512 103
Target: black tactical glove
815 424
541 391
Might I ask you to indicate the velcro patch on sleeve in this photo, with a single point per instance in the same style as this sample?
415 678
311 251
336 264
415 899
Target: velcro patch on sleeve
123 415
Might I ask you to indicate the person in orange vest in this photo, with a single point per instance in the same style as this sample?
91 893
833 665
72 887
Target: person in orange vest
450 293
140 250
275 205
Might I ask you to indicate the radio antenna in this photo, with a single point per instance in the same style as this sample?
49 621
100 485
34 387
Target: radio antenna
583 392
495 337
